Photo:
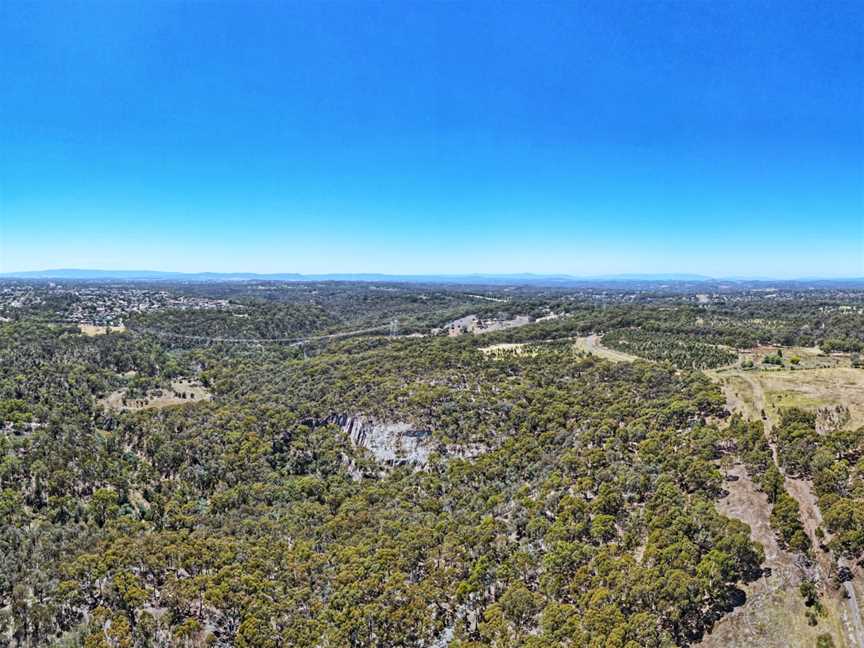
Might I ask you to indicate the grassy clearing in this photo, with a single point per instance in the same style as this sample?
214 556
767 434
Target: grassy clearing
91 330
740 395
505 347
816 388
806 357
807 388
181 392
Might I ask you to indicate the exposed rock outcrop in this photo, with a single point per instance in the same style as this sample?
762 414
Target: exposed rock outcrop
395 443
830 418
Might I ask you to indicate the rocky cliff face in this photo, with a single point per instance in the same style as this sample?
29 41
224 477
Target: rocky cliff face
394 443
390 443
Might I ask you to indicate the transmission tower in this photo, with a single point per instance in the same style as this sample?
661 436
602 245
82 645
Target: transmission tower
394 328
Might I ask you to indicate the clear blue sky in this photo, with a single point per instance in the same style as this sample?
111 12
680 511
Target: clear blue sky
724 138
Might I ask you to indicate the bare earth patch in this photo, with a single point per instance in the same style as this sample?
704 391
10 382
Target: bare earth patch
475 325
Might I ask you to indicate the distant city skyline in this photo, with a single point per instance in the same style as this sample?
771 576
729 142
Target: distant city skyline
592 138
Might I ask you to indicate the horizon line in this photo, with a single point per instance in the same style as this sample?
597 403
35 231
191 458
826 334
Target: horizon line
57 273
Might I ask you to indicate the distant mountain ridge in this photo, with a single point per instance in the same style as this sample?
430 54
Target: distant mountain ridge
157 275
473 278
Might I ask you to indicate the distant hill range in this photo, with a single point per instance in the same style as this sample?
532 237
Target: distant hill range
69 274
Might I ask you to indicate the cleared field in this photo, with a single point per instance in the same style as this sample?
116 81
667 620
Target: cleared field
505 347
815 388
181 391
809 389
91 330
806 357
740 395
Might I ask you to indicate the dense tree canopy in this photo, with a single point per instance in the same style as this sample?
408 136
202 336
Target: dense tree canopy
564 501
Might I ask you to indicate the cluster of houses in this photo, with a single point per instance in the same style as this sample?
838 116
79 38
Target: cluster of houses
96 304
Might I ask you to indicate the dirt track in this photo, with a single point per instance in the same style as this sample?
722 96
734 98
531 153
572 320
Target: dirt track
811 516
774 614
591 344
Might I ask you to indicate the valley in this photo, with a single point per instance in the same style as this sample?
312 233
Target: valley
395 465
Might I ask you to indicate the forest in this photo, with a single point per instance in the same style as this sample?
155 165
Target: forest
553 497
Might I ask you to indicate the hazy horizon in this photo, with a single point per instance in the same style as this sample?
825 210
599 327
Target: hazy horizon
91 273
427 138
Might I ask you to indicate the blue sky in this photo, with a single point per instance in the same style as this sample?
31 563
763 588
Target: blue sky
724 138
